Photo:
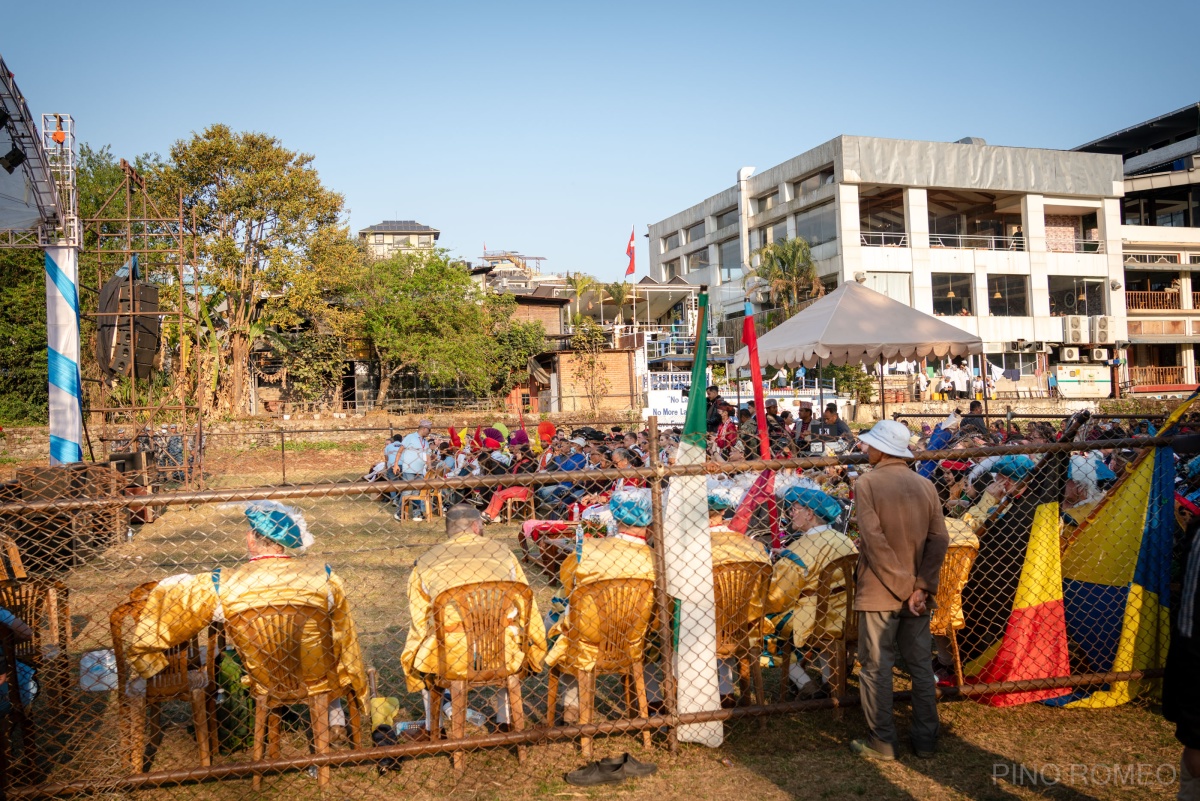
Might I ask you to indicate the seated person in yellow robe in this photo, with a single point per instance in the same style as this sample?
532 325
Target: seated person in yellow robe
792 600
728 547
466 557
181 606
623 555
961 533
1007 472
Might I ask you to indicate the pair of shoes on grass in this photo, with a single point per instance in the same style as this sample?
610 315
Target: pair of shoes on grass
865 748
611 770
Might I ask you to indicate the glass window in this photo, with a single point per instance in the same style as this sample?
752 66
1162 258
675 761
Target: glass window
966 219
952 294
812 182
730 254
772 233
425 240
1026 363
727 218
695 233
697 260
766 202
881 215
670 269
378 239
1008 295
896 286
670 242
1072 295
817 225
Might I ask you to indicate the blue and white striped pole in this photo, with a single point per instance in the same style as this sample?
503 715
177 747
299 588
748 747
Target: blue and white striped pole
62 354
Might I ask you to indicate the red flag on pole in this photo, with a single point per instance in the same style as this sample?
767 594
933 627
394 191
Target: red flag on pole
750 340
762 491
631 252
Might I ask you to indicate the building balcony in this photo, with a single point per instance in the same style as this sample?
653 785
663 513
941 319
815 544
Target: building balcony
1155 376
1153 301
976 242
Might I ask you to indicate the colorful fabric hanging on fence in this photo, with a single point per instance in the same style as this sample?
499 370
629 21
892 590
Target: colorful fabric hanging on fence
1013 602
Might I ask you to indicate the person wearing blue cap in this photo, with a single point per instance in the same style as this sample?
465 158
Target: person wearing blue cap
732 547
1082 492
181 606
792 600
624 554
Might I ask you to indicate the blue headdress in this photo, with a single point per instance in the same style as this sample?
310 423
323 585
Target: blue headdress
279 523
631 507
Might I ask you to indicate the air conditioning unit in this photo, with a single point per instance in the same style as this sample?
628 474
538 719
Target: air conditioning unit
1068 354
1041 347
1076 330
1104 330
1099 354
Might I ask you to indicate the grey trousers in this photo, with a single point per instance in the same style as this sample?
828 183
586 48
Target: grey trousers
880 636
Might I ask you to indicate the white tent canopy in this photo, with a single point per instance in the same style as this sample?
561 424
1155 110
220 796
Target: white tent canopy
857 325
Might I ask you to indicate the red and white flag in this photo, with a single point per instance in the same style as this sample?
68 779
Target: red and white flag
631 252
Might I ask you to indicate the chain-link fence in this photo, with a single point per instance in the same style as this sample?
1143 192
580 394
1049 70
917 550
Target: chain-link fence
416 634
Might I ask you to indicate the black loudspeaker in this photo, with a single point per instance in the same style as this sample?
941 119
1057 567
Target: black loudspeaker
129 328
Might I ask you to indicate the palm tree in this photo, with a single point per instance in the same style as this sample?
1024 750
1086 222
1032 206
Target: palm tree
580 283
618 293
787 268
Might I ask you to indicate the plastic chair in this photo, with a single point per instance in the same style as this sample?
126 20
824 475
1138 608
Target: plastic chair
270 643
947 616
432 500
44 605
33 768
740 587
835 580
170 684
485 614
623 609
512 504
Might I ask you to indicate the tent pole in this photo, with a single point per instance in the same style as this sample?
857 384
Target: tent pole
820 388
882 400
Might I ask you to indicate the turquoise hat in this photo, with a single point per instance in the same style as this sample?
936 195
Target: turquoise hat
824 506
722 498
1013 466
279 523
631 507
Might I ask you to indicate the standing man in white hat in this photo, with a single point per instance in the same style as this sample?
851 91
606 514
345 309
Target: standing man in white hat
902 542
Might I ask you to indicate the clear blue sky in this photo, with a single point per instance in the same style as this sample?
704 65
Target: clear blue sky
553 128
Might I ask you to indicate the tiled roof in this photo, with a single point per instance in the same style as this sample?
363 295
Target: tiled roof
399 227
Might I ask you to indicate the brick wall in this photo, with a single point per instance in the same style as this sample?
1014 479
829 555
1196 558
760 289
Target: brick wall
550 316
617 366
1061 232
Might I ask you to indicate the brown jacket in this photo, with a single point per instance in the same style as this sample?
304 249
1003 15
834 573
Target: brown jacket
902 537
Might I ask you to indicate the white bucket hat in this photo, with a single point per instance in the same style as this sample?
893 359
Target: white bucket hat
889 436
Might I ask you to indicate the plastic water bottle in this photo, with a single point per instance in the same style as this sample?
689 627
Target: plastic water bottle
610 527
578 543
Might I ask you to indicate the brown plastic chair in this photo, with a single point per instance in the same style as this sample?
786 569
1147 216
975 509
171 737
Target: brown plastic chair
835 579
623 609
946 618
740 587
44 605
485 611
270 643
169 684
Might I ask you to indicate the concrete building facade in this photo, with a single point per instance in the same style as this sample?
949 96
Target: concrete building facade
1013 244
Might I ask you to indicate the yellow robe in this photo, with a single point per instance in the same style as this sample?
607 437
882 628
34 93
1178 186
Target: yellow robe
794 588
465 559
978 514
607 558
961 533
179 607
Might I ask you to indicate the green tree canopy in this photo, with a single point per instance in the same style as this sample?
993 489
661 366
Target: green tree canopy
787 268
423 313
271 245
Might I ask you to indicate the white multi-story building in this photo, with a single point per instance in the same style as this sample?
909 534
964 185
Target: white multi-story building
1013 244
393 236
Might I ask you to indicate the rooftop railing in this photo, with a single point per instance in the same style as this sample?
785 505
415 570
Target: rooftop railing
882 239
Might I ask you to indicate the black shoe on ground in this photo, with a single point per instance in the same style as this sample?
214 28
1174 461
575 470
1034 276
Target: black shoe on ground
594 773
631 767
924 753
